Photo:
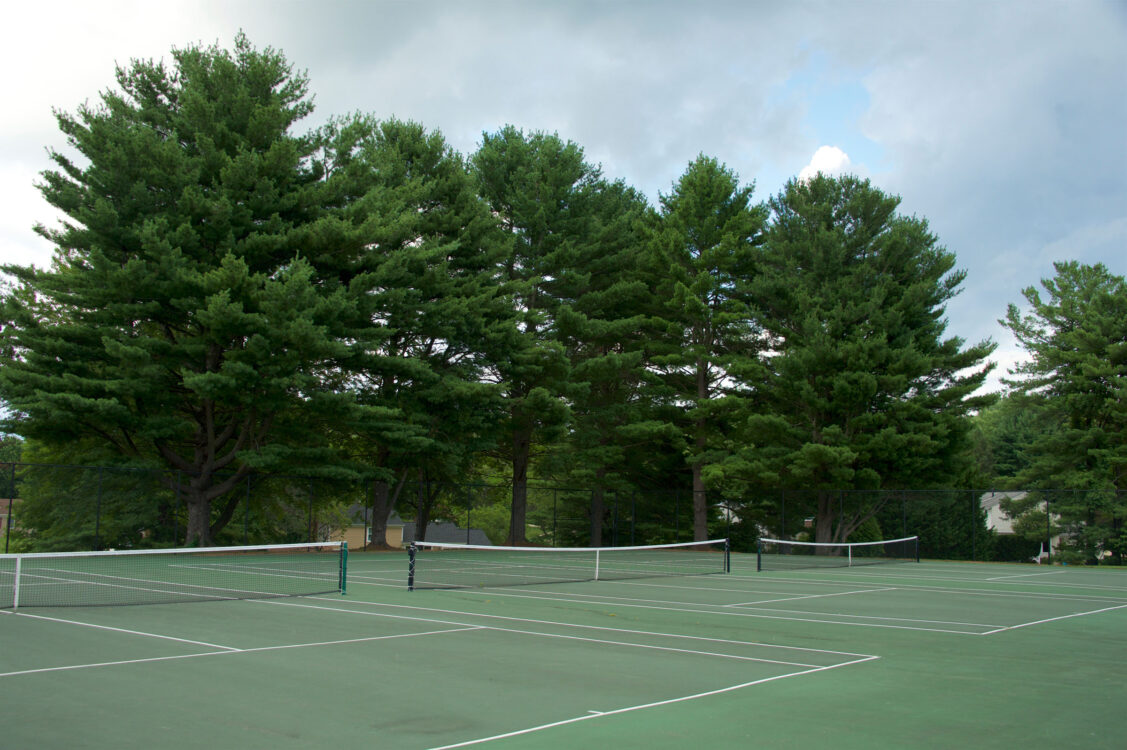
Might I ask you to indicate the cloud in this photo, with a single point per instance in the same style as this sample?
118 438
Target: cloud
830 161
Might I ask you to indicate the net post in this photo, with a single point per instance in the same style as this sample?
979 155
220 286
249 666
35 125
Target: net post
758 555
849 551
727 555
411 550
917 543
596 563
343 568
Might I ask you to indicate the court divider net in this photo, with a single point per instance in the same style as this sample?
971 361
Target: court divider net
780 554
162 576
437 565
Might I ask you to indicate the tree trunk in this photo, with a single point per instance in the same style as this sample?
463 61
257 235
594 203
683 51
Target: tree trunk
522 444
824 521
598 512
423 502
381 511
199 520
700 506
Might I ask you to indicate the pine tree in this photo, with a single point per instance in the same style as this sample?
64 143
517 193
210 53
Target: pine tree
706 250
180 325
533 184
861 391
1076 382
605 325
418 251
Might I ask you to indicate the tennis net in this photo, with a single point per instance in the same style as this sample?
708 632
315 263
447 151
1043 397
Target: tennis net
779 554
161 576
438 565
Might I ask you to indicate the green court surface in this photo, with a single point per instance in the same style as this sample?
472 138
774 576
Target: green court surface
928 655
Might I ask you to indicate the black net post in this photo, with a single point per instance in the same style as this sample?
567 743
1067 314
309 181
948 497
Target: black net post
411 551
727 555
342 584
759 556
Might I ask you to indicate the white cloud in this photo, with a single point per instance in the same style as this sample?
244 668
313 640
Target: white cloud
828 160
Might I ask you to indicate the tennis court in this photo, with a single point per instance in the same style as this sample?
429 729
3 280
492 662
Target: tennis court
928 655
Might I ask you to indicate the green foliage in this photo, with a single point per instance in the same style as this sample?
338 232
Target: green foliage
1076 383
364 305
11 449
705 252
536 184
180 326
1002 434
863 391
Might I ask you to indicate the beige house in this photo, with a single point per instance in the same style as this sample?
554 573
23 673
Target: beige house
359 534
998 520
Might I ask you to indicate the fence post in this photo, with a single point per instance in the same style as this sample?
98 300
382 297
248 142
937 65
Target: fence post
973 527
614 523
782 514
633 515
246 515
677 515
310 527
98 512
1048 531
11 506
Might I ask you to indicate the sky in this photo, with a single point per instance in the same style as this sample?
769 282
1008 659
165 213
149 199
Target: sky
1004 124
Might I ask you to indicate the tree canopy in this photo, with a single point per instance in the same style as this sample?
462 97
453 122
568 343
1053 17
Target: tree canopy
1075 383
232 296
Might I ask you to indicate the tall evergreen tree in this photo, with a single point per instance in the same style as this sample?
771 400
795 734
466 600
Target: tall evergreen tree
180 324
419 253
706 253
1076 380
861 391
604 321
533 183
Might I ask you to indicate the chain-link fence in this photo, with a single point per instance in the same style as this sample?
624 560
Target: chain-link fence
48 507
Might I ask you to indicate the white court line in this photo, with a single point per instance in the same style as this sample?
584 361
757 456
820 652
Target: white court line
681 699
538 622
807 596
581 638
1054 619
856 573
720 607
1025 575
710 589
71 667
123 630
731 613
974 592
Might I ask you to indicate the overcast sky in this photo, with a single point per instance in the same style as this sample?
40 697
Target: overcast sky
1002 123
